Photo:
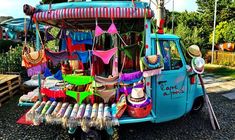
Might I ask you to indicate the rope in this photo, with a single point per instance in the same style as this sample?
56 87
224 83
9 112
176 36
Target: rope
122 39
37 30
25 34
144 34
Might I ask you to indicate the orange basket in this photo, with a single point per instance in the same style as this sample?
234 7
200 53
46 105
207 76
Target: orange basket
139 112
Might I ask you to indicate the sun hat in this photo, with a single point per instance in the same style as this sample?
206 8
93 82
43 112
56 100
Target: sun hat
152 61
138 104
198 65
137 96
194 51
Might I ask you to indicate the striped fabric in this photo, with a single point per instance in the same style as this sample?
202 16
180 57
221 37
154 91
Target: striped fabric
93 13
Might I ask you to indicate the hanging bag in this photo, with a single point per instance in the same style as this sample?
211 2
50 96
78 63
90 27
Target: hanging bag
32 59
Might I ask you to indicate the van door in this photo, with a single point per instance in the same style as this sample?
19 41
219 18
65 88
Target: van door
171 89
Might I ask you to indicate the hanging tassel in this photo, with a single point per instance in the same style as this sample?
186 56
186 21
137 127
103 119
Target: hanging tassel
31 113
114 112
72 122
46 107
86 119
36 120
56 110
60 114
94 114
49 111
99 120
107 118
66 115
80 114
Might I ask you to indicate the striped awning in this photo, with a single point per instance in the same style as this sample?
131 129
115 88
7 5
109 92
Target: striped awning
93 13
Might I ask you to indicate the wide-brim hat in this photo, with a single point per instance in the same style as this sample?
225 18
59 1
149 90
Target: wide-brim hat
137 96
152 59
198 65
194 51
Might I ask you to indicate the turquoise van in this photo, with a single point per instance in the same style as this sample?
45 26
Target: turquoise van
174 93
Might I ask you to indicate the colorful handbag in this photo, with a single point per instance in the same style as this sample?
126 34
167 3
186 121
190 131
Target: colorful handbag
33 58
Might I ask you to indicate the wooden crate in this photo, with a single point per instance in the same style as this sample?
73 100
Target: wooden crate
9 85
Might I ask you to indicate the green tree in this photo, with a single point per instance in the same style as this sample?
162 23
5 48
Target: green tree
224 32
189 35
191 28
219 34
225 10
230 32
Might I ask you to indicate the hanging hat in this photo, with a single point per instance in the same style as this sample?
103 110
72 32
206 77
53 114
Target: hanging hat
137 96
152 61
194 51
198 65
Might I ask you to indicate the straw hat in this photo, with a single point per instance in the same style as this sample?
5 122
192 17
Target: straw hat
152 59
137 96
194 51
198 65
138 105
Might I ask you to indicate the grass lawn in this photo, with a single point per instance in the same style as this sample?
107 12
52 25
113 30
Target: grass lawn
220 70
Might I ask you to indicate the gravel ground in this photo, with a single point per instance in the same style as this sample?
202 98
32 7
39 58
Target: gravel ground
191 126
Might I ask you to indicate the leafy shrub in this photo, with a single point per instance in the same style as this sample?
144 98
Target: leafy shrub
11 61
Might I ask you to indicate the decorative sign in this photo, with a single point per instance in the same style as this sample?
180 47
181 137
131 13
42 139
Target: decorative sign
170 89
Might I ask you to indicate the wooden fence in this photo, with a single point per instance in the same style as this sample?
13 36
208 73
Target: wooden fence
221 58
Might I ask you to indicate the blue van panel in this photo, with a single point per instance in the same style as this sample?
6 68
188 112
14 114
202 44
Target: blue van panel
164 36
127 119
194 92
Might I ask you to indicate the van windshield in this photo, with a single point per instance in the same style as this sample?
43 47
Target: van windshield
170 54
184 50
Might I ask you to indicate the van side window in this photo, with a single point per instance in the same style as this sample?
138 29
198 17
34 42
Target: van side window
171 56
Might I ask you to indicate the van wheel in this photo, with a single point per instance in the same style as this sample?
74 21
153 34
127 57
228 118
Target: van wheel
198 105
91 135
114 136
76 135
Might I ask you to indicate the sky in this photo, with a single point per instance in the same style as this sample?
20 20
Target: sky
14 8
181 5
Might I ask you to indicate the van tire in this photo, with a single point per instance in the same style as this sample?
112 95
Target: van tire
114 136
197 105
91 135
